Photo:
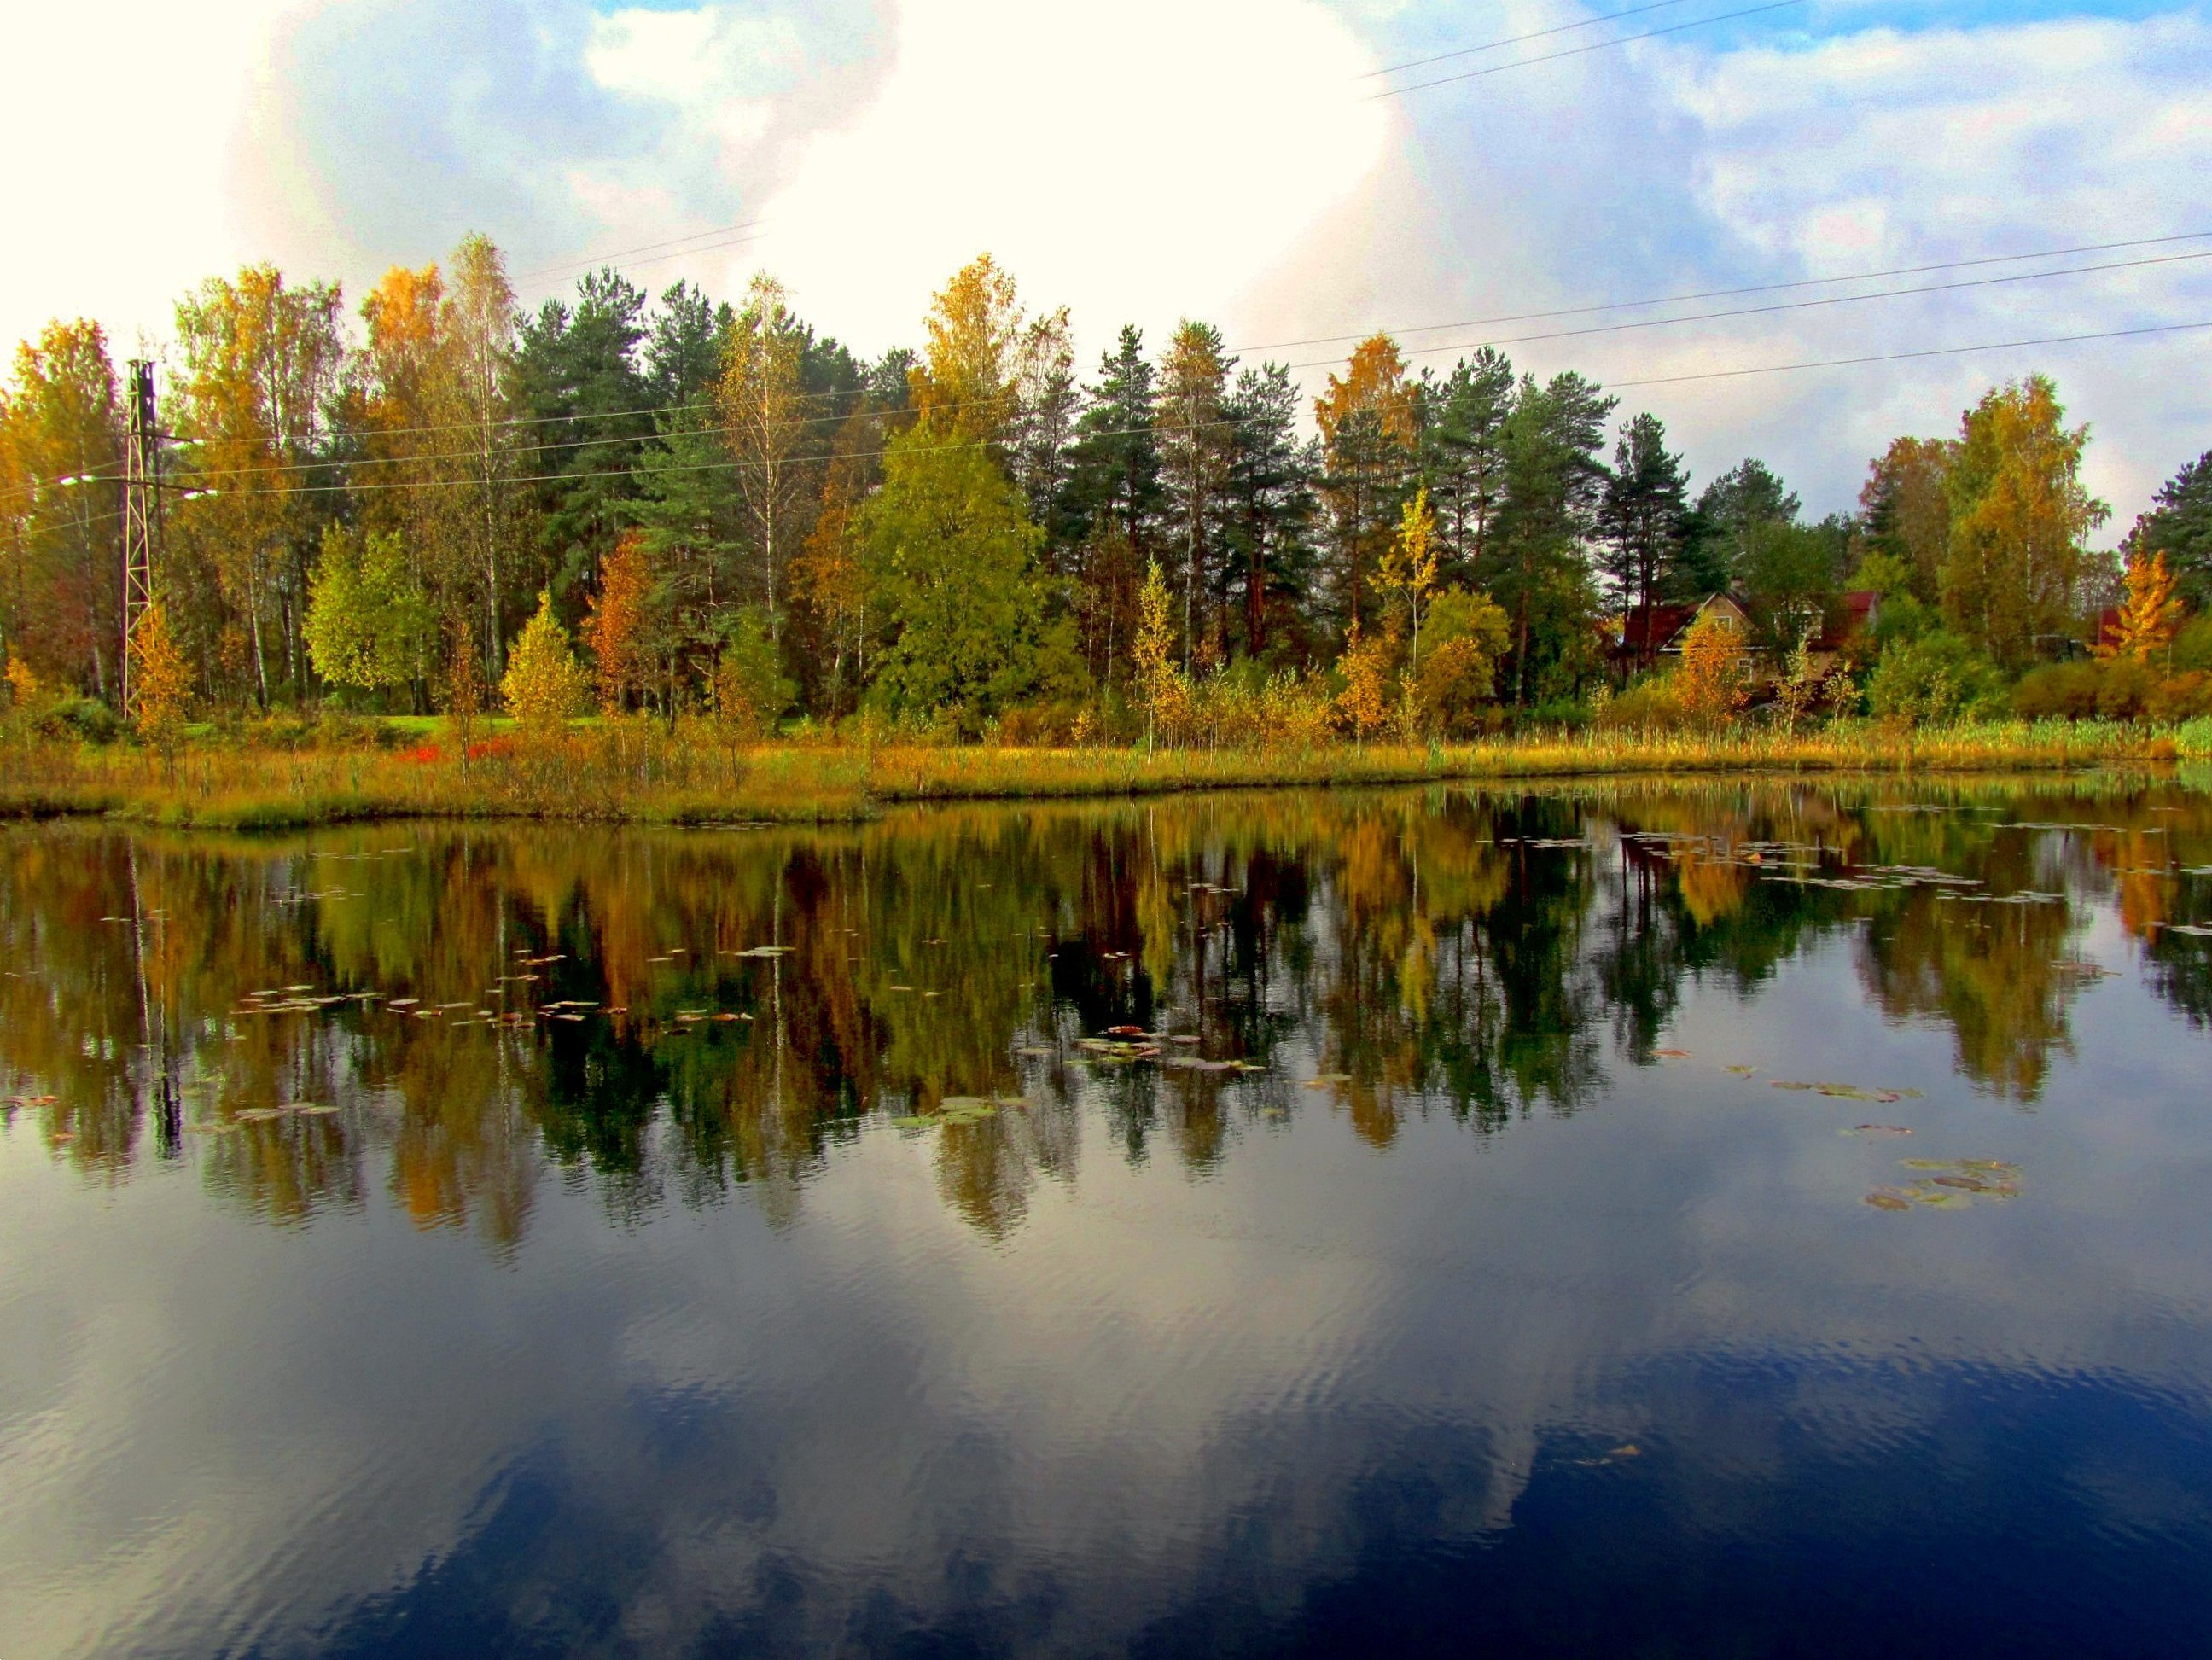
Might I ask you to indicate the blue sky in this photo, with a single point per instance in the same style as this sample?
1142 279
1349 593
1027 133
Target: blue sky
1217 158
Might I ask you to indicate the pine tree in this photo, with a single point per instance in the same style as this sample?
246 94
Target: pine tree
1643 517
1270 490
1537 568
1195 441
1462 421
578 379
2179 526
1115 496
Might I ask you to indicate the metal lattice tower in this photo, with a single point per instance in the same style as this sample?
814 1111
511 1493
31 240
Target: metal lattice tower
141 467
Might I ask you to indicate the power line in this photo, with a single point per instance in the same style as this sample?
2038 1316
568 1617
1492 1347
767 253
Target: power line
1726 293
1577 52
1903 356
1419 328
643 247
511 423
1782 305
1516 40
734 466
555 446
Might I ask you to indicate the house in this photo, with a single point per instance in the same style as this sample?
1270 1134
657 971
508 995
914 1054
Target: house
1650 634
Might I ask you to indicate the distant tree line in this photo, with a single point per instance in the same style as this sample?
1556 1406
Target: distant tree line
729 511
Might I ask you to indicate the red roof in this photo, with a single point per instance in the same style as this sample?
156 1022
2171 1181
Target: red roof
1859 608
1649 630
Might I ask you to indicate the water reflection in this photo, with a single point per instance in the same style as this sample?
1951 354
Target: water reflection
432 1017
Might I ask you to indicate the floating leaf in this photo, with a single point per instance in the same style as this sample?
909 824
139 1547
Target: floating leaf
1885 1200
1741 1072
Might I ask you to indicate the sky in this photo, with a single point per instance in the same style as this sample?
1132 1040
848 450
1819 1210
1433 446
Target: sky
1227 160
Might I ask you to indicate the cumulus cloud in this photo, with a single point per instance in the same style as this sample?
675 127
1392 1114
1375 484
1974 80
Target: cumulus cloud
1224 160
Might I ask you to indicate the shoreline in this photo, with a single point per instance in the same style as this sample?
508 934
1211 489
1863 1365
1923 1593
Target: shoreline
646 776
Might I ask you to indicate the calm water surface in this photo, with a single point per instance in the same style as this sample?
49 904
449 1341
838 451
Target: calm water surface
1446 1222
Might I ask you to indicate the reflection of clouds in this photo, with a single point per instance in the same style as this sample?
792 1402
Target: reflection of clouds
1153 1379
1157 1386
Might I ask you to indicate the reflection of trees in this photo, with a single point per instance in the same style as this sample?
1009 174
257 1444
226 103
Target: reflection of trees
1423 951
1995 974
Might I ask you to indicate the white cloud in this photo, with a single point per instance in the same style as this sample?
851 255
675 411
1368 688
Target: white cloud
1157 160
121 119
1881 148
1143 162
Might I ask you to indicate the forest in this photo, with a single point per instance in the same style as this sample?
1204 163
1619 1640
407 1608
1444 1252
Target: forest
439 503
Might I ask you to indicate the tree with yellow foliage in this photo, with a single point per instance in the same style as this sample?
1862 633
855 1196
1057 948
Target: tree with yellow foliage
543 684
1364 702
1160 681
1715 676
616 629
1367 432
965 383
2151 615
1467 634
161 685
1409 568
764 418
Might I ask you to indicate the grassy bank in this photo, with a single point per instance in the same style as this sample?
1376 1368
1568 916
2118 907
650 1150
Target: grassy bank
642 773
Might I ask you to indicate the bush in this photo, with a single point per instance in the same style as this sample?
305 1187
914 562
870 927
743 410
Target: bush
2056 691
2123 685
1901 620
2182 697
2192 646
86 718
1058 725
1560 714
1649 706
2119 689
1935 678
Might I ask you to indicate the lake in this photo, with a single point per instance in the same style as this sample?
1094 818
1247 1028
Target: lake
1722 1218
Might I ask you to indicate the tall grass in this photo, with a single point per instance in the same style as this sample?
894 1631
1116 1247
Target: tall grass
639 771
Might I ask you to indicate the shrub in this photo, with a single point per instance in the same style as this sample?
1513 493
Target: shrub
1560 715
751 691
86 718
2123 685
1057 724
2113 688
2182 697
2192 646
1649 706
1936 678
2056 691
